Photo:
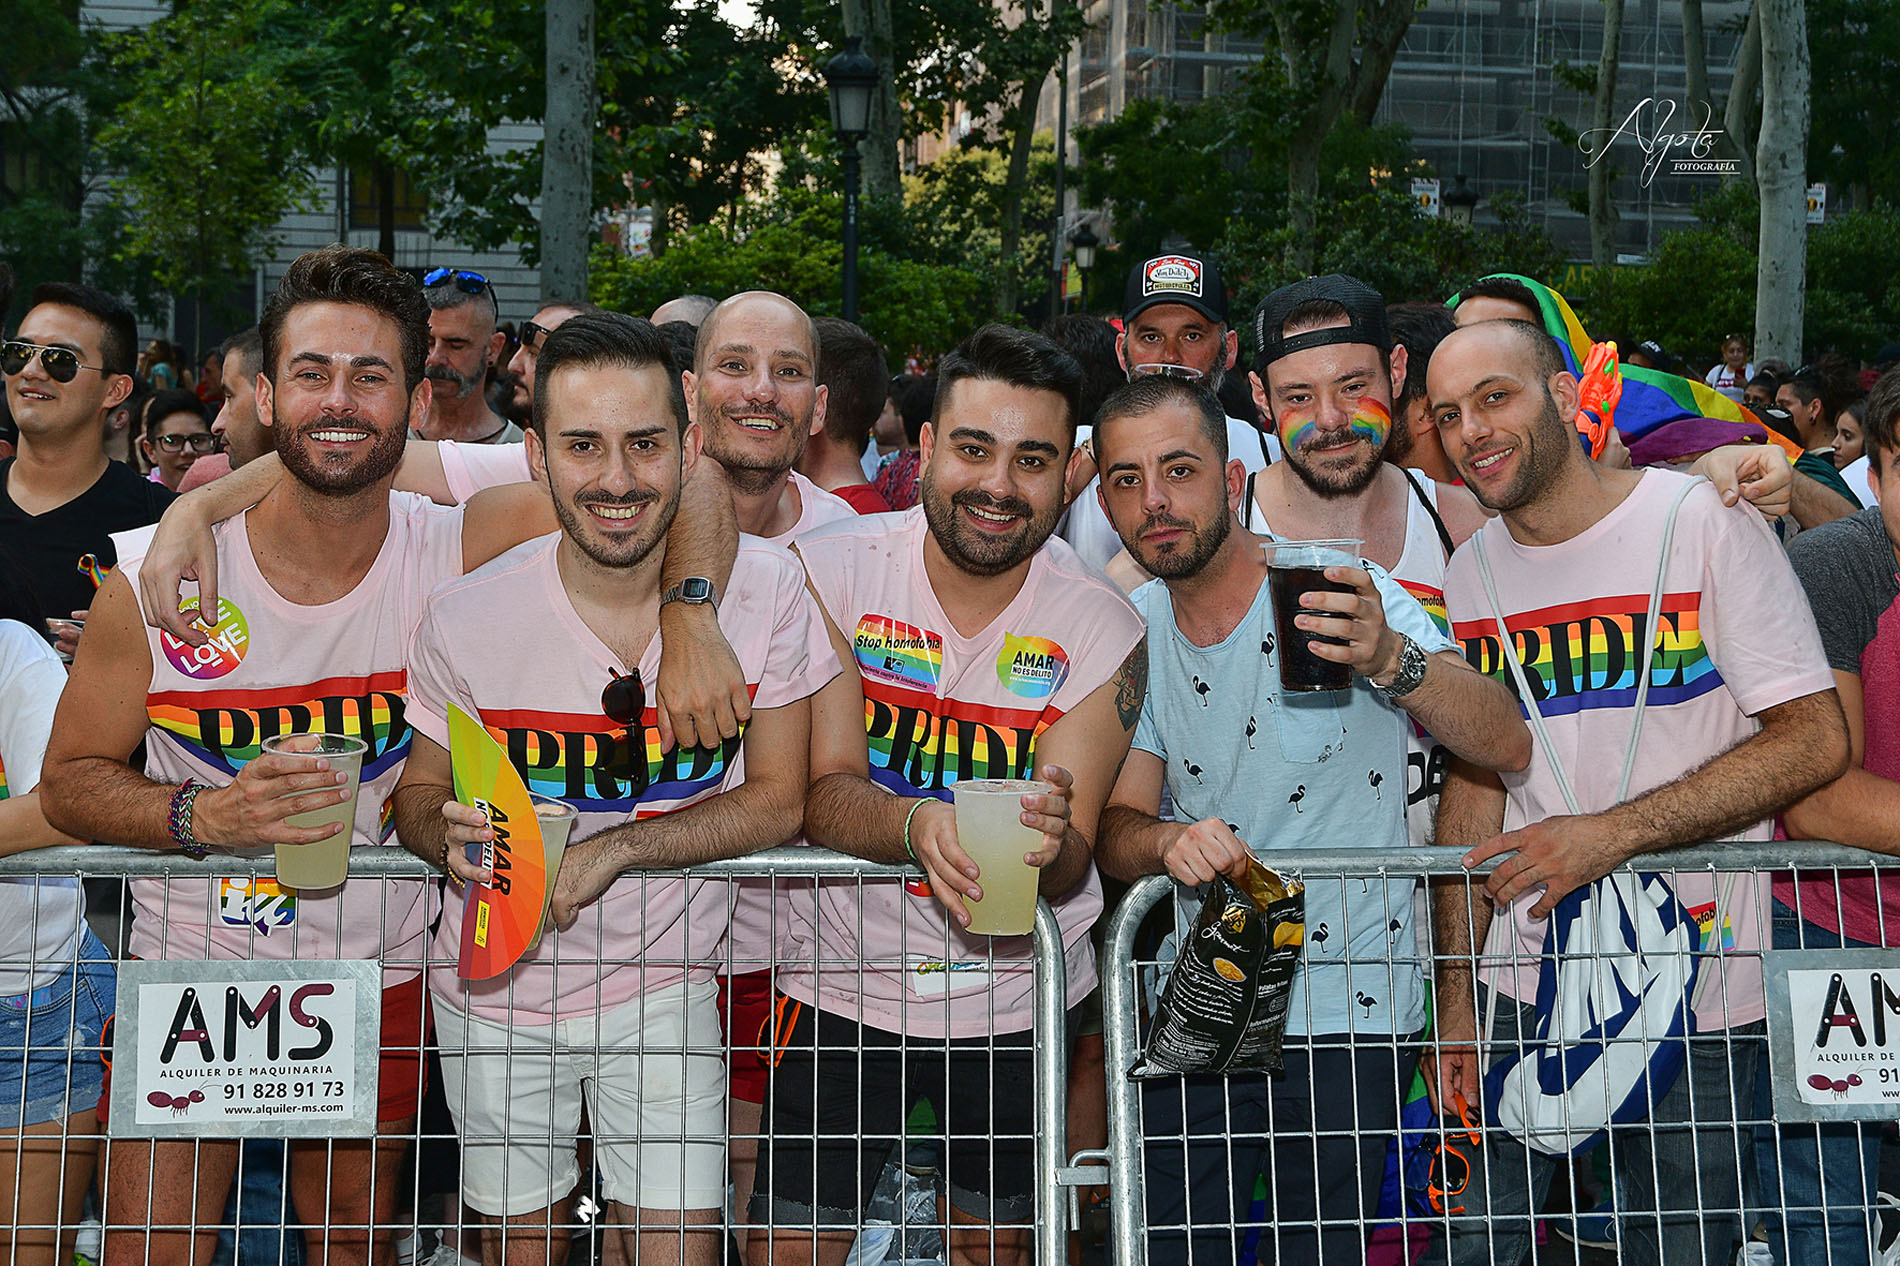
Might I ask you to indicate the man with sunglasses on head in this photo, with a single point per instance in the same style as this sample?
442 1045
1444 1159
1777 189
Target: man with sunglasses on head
622 995
67 366
1174 322
521 364
464 344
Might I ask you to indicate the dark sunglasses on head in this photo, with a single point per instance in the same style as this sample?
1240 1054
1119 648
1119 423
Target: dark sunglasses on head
467 282
206 443
60 363
624 699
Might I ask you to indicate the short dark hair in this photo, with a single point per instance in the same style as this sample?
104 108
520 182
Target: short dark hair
173 400
1018 358
601 340
1419 328
359 277
1144 395
1766 379
1091 341
1546 360
681 340
1880 419
246 345
1498 286
916 402
119 337
856 378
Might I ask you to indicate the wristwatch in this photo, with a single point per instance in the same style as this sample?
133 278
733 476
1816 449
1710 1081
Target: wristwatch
1411 670
694 591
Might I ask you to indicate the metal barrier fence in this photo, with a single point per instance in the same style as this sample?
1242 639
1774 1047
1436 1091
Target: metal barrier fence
1776 1136
850 954
1356 1091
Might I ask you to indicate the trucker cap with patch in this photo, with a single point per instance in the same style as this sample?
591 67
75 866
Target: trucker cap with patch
1176 278
1365 318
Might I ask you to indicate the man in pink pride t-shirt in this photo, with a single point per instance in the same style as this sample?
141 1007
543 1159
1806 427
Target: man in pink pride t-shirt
975 648
1741 719
621 998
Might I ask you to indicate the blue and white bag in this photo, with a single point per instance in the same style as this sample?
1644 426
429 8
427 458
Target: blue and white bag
1617 983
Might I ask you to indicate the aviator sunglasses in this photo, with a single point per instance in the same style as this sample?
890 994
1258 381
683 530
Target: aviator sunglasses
60 363
467 282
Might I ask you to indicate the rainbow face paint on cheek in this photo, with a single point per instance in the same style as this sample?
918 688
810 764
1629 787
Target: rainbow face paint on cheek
1372 421
1296 424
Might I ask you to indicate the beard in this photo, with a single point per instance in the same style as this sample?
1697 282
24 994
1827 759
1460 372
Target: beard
464 385
1186 559
1541 459
616 553
980 553
751 471
1336 482
336 477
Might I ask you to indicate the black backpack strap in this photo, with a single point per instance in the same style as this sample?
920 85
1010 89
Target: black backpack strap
1444 536
1248 504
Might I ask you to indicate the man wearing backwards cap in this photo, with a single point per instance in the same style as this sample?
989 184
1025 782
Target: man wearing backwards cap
1174 322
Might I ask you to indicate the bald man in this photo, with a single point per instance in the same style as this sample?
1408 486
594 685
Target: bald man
692 309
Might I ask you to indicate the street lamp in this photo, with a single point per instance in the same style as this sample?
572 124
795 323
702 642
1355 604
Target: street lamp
1083 241
1461 202
852 78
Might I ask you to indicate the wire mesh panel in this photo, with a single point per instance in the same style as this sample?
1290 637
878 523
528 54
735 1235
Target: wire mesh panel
639 1088
1606 1087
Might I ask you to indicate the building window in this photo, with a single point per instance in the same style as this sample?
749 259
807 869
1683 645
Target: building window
409 201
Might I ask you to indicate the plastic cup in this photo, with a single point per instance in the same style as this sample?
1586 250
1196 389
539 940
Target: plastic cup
326 863
990 829
1295 568
557 818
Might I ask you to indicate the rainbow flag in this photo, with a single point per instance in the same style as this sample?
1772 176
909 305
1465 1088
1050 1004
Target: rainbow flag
1650 396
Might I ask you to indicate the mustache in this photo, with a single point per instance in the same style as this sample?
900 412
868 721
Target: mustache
778 413
442 373
624 499
1154 521
1002 505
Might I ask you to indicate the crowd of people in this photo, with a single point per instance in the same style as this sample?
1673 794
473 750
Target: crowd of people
721 582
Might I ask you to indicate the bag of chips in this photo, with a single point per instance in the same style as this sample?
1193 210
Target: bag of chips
1224 1007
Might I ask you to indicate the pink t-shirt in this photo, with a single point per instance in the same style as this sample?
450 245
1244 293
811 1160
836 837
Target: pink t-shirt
507 646
1738 640
469 468
278 668
939 708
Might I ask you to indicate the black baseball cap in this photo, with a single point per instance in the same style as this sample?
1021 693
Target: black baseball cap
1655 352
1365 318
1176 278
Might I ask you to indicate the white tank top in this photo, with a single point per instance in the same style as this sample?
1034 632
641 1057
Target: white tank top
1420 571
273 668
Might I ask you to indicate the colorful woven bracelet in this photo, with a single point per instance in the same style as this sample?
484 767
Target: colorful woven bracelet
908 847
179 821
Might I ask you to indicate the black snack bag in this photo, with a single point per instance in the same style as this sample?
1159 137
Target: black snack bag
1224 1008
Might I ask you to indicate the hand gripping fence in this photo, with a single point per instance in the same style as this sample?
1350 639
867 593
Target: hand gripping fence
1754 1169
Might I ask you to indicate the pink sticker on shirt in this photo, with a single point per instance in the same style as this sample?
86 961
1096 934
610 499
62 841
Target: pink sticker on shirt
1033 667
230 639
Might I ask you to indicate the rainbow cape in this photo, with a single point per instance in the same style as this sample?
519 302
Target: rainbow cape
1650 396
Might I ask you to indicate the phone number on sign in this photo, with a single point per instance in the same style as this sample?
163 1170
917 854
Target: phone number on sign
283 1090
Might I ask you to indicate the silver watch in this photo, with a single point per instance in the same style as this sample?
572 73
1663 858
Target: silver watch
693 591
1411 670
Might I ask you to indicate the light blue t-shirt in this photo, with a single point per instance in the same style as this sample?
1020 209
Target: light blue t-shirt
1291 770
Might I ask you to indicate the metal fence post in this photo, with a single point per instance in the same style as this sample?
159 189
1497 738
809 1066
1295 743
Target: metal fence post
1128 1246
1052 1088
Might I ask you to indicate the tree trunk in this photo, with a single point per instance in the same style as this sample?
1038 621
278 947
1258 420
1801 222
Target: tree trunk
870 20
1323 76
384 177
1695 54
1386 23
567 151
1781 167
1022 136
1603 120
1738 115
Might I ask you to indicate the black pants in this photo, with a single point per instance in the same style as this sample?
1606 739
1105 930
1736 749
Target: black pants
1317 1130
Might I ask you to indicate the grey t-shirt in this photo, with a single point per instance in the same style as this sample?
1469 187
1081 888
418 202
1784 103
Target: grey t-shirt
1848 569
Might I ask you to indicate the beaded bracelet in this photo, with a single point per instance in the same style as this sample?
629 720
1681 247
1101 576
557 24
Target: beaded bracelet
178 819
908 847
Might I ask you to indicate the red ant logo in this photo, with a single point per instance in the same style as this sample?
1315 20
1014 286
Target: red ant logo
178 1104
1821 1081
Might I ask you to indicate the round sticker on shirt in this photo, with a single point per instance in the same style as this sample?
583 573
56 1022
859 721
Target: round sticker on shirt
1033 667
230 638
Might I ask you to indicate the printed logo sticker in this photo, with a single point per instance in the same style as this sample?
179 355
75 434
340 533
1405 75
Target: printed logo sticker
1033 667
255 903
230 640
891 650
1171 274
1704 916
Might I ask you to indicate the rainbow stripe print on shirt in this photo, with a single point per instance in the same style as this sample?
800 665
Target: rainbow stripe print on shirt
922 745
1432 599
601 767
3 782
1584 655
226 729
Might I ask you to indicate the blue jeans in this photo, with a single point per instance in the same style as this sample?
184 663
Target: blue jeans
254 1233
1681 1169
1818 1182
50 1040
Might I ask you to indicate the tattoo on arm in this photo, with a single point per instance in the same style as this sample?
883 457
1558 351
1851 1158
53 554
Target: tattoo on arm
1131 685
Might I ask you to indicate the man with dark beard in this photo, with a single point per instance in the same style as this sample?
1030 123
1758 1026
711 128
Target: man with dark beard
463 344
1233 748
974 648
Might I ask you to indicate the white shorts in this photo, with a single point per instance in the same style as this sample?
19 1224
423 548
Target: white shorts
654 1077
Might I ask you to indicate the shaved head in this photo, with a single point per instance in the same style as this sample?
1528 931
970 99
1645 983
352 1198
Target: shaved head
748 301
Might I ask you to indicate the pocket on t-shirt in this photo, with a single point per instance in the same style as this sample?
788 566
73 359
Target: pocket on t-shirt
1311 726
